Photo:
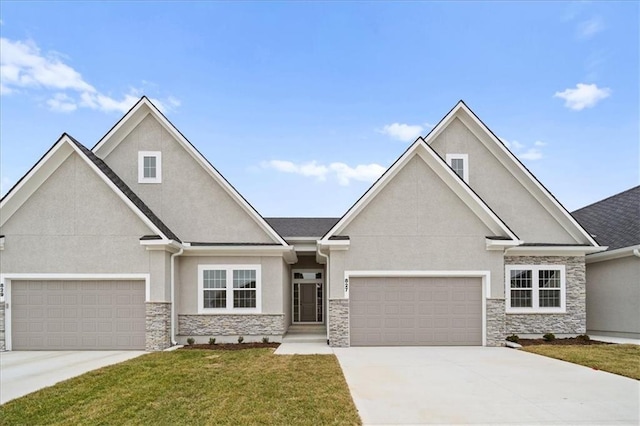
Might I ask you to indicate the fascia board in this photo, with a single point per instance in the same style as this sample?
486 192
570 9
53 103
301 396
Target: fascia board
522 174
386 177
137 113
47 165
117 191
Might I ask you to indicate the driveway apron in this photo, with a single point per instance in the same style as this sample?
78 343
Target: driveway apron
23 372
478 385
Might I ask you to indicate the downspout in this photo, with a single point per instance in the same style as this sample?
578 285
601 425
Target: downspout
327 276
636 252
173 295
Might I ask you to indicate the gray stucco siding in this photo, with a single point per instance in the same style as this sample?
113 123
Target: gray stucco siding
613 292
511 201
189 200
272 280
417 223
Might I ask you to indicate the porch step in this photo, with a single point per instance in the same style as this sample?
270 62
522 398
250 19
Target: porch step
307 329
306 333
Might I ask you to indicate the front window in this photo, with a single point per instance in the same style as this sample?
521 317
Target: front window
228 288
535 288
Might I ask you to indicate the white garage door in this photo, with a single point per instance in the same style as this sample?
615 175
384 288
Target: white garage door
78 315
415 311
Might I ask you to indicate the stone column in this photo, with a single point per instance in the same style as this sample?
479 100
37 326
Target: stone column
158 326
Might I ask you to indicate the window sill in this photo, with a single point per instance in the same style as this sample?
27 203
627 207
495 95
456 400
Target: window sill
236 311
535 311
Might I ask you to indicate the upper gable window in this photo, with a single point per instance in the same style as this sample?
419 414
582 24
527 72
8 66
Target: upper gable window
149 167
460 165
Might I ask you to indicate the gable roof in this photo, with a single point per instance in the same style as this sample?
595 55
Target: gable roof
50 162
515 166
145 107
314 227
614 221
449 177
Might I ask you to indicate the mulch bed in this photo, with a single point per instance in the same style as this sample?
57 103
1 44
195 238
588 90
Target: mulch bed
231 346
561 342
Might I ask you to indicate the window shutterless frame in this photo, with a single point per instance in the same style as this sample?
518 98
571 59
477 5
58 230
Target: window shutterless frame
222 287
540 284
149 167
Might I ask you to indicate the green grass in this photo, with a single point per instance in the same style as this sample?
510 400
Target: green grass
250 386
617 359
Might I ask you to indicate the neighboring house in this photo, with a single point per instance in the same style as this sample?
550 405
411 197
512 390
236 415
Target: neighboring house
613 277
140 243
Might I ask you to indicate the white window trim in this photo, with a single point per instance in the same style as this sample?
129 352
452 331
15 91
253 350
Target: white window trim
158 157
465 164
535 294
229 289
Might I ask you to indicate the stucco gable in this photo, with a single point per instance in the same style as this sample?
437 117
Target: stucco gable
194 199
519 198
61 152
453 192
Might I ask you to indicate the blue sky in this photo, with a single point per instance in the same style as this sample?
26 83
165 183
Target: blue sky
302 105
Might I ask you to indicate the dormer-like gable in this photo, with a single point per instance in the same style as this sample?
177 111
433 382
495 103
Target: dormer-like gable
178 183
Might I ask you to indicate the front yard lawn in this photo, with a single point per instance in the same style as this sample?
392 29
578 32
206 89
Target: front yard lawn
618 359
251 386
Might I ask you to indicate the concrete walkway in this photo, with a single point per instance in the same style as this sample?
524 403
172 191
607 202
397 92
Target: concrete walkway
475 385
612 339
23 372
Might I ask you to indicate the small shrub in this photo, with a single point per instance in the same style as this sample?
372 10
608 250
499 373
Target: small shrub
240 339
549 337
513 338
212 340
583 337
265 340
191 341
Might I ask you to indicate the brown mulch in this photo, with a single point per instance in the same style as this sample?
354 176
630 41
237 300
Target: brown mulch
561 342
232 346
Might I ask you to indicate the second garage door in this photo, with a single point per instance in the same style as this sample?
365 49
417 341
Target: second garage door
77 315
415 311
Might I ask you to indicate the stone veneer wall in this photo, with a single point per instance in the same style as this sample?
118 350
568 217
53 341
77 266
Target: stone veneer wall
574 321
2 328
495 322
339 323
231 325
158 326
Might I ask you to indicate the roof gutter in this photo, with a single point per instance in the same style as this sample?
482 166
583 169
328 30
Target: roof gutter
327 282
173 295
636 252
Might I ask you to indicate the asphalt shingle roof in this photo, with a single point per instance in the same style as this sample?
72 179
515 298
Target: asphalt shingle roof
302 226
126 190
614 221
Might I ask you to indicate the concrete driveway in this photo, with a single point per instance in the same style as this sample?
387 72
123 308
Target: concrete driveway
23 372
463 385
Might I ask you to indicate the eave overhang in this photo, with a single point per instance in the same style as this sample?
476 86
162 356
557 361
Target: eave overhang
553 250
614 254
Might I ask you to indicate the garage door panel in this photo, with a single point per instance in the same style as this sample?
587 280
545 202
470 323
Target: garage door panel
416 311
55 315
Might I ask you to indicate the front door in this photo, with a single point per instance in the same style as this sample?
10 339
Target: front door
308 294
308 302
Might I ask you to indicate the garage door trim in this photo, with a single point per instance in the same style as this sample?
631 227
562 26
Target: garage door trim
484 275
6 279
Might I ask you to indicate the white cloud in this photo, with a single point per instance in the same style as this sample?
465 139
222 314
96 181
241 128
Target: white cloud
583 96
530 154
521 151
362 172
61 103
310 169
590 27
403 132
341 171
24 67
